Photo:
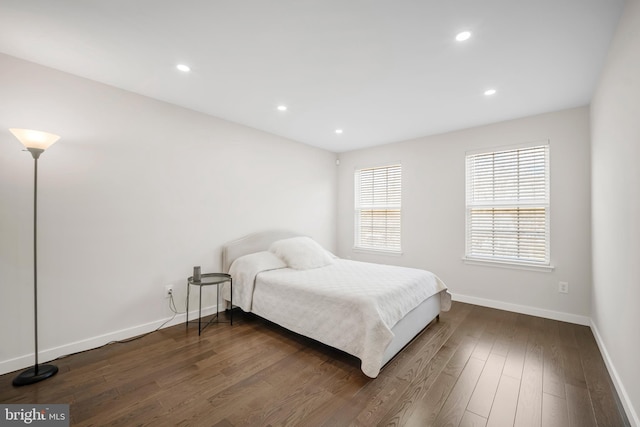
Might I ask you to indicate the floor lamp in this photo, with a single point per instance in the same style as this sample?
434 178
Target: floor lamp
35 142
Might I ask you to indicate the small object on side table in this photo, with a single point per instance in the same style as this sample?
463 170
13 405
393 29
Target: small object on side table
209 279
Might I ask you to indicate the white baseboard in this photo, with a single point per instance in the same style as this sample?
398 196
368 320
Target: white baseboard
50 354
617 382
524 309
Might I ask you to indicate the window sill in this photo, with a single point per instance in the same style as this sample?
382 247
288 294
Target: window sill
508 264
376 251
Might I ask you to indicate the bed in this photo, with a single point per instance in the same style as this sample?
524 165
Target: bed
371 311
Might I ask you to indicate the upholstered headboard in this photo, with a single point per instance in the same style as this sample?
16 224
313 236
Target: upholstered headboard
255 242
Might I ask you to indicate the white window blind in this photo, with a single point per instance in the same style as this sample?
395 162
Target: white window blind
378 194
508 205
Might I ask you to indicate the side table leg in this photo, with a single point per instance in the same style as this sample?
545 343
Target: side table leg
231 303
187 312
200 311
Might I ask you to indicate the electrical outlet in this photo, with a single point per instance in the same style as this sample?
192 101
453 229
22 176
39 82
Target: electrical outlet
563 287
168 291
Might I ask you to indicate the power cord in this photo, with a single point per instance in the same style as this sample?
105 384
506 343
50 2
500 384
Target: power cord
172 307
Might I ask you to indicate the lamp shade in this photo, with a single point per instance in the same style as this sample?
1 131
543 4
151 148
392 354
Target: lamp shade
35 138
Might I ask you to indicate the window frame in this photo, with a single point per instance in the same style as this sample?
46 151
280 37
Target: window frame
530 202
386 245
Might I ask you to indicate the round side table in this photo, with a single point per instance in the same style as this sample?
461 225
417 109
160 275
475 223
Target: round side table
209 279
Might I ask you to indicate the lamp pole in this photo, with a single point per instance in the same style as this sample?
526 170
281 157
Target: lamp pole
35 142
35 153
35 255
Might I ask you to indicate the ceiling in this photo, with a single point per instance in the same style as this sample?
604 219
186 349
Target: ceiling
380 70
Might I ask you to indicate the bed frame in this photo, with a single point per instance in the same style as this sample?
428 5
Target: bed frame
404 331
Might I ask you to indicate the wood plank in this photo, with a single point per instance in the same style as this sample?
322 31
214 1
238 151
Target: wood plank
529 410
601 389
485 391
567 336
425 414
554 411
472 420
506 334
489 335
427 405
371 414
135 413
302 392
426 370
573 372
514 362
503 411
454 407
423 380
579 407
553 372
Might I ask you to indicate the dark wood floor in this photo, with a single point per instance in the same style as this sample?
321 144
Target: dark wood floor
475 367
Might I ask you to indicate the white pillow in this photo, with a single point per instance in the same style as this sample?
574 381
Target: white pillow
301 253
258 261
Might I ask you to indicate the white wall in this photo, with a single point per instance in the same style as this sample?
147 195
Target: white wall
615 123
433 233
134 195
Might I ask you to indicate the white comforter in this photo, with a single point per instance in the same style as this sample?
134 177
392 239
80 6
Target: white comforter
348 305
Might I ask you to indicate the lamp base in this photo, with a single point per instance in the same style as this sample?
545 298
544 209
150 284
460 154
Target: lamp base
30 376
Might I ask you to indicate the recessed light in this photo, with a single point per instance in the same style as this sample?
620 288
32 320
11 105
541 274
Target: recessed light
463 36
490 92
338 131
184 68
282 108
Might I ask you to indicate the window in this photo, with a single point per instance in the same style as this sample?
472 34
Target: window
508 205
377 208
